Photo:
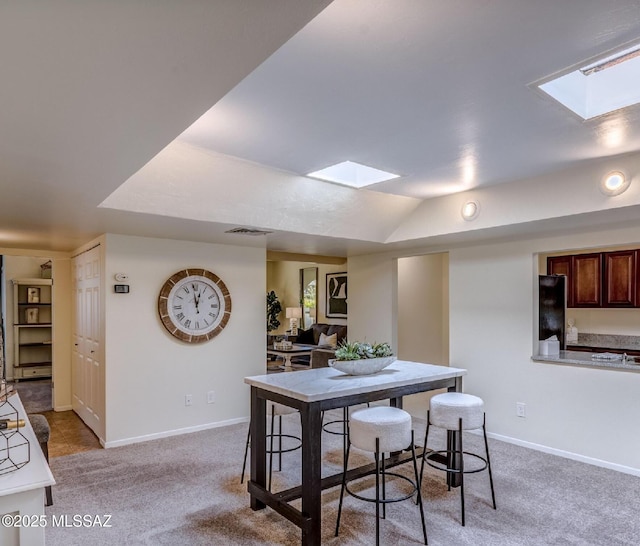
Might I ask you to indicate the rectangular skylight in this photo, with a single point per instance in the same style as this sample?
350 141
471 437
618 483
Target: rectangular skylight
598 88
350 173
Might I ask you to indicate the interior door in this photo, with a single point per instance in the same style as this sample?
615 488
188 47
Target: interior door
87 365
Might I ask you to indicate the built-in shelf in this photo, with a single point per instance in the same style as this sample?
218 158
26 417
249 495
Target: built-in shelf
39 325
32 335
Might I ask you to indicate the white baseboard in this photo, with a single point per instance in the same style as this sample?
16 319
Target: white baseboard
175 432
63 408
567 454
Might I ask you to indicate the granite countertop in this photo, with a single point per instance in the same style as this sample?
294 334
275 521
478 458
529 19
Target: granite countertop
608 341
581 358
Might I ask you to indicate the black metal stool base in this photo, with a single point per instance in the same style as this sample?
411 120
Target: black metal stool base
414 489
455 463
271 450
381 473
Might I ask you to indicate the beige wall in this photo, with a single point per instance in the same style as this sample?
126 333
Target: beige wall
148 371
423 301
423 316
62 333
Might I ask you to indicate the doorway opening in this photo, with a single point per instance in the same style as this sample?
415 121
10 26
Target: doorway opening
26 311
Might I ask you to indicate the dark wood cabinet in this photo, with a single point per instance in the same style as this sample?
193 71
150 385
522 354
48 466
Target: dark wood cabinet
600 279
586 273
620 278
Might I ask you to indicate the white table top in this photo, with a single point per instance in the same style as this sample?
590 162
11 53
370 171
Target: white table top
36 472
325 383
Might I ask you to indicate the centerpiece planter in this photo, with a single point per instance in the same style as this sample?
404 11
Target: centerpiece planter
365 366
355 358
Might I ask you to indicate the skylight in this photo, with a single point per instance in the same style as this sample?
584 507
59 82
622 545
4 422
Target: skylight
601 87
350 173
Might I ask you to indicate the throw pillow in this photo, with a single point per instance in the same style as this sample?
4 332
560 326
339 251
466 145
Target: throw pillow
305 337
330 341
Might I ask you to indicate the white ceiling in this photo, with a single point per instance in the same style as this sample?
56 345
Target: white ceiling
95 98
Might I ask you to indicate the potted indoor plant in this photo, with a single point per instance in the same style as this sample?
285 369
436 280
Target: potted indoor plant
273 310
358 358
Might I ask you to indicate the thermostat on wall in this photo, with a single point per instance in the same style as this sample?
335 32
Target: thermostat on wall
121 277
121 288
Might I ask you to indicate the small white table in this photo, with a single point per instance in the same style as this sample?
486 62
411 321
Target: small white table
312 392
296 350
22 491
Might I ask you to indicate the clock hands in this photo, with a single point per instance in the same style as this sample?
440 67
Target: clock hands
196 298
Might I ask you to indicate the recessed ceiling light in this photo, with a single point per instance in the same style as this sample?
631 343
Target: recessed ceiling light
350 173
470 210
614 183
606 85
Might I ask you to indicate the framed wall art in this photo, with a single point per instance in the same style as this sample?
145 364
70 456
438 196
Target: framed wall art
336 295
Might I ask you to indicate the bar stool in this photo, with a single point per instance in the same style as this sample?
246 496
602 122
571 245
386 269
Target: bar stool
380 430
455 411
41 429
273 409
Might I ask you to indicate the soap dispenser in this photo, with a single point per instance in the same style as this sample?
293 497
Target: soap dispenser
572 332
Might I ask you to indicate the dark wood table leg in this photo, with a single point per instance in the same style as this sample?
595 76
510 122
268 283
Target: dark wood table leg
258 444
311 418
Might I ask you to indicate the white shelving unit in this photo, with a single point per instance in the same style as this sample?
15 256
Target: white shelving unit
32 332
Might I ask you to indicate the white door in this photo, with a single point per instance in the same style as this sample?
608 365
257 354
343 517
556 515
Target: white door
87 372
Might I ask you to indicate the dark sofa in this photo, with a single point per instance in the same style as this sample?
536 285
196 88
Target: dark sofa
320 356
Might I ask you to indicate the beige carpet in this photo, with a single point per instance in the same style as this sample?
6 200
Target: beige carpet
185 491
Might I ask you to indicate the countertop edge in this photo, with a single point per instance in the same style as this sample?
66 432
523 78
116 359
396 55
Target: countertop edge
573 359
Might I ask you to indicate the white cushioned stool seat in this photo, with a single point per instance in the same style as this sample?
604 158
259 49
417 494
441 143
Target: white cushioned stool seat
448 408
380 430
391 425
457 412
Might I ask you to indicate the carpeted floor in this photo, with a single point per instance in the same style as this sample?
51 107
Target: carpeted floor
35 395
185 490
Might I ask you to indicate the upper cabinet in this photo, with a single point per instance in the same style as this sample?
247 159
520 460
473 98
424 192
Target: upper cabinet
620 278
586 288
602 279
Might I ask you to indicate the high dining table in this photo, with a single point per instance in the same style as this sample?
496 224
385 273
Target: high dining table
312 392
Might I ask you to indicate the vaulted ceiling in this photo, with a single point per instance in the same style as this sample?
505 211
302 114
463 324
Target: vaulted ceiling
185 119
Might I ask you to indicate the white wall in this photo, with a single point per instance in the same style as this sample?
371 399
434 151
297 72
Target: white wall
148 371
587 413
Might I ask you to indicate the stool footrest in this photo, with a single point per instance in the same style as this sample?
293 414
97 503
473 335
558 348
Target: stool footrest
283 450
387 500
443 452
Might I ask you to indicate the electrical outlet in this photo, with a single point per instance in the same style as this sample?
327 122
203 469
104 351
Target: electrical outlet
211 397
521 409
188 399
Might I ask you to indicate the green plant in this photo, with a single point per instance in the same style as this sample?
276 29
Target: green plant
273 310
356 350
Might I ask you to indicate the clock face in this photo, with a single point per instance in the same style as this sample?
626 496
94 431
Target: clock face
194 305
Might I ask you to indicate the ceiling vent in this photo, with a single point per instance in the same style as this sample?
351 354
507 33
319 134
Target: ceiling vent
248 231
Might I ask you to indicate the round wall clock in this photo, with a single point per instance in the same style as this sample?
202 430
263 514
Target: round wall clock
194 305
